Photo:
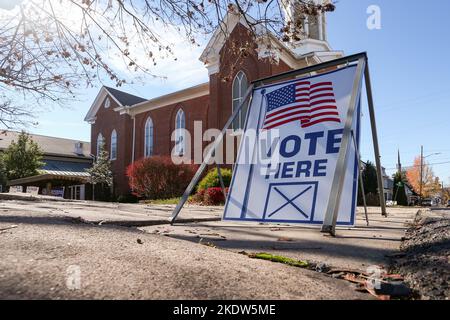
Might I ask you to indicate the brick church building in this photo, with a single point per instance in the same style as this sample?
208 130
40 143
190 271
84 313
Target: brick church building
132 127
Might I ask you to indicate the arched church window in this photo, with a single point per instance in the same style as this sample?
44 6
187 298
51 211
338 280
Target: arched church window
114 145
100 143
148 138
240 86
180 138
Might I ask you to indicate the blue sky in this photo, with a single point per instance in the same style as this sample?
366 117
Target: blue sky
410 78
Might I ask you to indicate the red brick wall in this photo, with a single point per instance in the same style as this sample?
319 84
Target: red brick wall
164 124
107 121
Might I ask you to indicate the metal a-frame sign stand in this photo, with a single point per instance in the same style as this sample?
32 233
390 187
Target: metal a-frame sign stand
329 224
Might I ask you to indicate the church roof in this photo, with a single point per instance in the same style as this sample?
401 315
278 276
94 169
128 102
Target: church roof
167 99
125 99
50 145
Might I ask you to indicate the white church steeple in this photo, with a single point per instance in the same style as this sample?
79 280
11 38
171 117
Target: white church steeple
314 33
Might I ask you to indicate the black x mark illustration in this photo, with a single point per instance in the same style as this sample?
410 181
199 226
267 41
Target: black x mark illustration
291 201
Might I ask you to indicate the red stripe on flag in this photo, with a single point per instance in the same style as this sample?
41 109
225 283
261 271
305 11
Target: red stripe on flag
320 84
330 113
323 108
284 122
311 123
321 90
285 116
287 109
322 96
322 101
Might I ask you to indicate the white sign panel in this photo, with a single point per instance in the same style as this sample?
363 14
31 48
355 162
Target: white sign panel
33 190
288 154
15 189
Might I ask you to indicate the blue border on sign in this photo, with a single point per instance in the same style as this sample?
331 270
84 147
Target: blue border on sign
355 172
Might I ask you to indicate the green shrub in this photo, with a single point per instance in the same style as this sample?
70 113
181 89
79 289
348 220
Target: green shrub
373 200
211 180
163 201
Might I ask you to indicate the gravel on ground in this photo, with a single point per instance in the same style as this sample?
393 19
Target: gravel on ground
425 255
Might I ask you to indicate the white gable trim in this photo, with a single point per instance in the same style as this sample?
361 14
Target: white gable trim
103 93
166 100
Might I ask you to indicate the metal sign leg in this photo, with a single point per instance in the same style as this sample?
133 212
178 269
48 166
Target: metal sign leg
361 182
375 141
329 223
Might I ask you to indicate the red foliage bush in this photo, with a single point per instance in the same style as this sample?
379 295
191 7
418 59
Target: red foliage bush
214 196
198 197
158 177
210 197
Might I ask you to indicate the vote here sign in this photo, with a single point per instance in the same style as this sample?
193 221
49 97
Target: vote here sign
289 149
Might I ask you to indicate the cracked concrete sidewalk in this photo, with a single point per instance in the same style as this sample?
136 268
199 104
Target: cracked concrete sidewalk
353 248
40 240
130 215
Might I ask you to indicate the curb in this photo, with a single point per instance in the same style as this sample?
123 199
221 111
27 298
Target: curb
147 223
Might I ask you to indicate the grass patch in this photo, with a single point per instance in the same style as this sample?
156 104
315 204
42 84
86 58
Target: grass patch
163 201
280 259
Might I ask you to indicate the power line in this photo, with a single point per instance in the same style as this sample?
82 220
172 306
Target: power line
428 164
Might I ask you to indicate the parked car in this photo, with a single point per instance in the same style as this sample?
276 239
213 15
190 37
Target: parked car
426 203
448 203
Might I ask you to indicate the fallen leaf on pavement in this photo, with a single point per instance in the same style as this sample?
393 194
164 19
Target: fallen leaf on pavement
352 278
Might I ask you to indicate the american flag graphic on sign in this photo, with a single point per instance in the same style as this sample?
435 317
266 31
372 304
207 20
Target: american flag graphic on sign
303 101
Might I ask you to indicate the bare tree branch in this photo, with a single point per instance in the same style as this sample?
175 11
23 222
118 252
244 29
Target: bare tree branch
49 49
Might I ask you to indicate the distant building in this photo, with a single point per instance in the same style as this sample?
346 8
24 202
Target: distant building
388 185
64 173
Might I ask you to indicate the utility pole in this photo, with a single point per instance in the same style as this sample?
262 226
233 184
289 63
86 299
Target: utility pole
421 170
421 175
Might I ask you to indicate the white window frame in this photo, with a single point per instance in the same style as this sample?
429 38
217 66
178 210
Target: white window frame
180 134
237 97
107 103
148 137
113 150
